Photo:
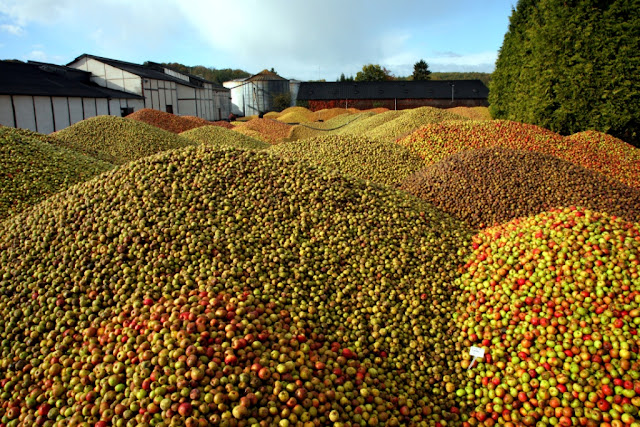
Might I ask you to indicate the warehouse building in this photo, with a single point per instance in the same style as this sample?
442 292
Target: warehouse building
161 87
46 97
395 95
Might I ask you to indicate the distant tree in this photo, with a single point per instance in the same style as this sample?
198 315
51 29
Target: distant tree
421 71
281 101
570 66
272 70
345 79
212 74
483 77
373 73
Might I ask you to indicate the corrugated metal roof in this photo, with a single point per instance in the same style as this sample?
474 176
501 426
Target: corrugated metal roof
42 79
422 89
138 70
265 75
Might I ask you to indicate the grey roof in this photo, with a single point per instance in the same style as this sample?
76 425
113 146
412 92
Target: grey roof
152 70
42 79
429 89
138 70
266 75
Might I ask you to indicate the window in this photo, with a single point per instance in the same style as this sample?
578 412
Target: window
125 111
169 108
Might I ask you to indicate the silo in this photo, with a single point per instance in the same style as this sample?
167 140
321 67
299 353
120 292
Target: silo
259 91
294 87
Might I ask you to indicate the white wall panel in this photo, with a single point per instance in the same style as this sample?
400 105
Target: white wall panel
89 105
114 106
25 118
102 106
60 112
187 107
75 110
44 114
80 64
6 111
185 92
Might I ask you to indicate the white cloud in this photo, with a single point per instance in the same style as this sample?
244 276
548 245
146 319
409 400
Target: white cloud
481 61
16 30
42 56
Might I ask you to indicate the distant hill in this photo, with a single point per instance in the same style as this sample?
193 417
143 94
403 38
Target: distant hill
212 74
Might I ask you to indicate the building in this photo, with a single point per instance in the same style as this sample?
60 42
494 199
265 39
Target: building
255 94
395 95
46 97
236 87
161 87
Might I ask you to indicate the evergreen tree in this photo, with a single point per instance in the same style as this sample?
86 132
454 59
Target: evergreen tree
571 65
421 71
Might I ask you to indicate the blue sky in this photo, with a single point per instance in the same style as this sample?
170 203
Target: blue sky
301 39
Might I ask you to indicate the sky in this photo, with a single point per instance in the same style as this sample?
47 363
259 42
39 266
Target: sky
300 39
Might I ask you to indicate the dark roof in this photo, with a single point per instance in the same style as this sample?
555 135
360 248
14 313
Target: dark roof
41 79
152 70
266 75
138 70
432 89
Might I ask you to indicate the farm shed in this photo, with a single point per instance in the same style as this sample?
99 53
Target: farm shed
394 94
255 94
161 87
46 97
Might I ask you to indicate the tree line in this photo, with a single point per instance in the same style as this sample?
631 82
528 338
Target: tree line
571 65
375 72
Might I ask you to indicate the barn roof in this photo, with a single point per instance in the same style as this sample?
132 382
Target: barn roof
266 75
41 79
431 89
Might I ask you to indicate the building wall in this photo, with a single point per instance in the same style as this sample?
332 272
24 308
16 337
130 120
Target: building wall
46 114
108 76
185 100
395 104
236 93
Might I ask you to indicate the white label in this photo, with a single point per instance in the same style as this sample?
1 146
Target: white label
476 352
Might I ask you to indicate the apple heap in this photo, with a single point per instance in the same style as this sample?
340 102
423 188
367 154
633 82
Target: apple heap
32 167
118 140
171 122
267 130
409 120
490 186
220 137
199 287
608 154
554 299
384 163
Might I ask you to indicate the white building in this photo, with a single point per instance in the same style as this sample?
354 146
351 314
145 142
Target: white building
161 88
237 100
46 97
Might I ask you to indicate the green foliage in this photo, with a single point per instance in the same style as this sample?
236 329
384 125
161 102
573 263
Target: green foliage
373 73
343 78
570 66
302 103
421 71
281 101
212 74
483 77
